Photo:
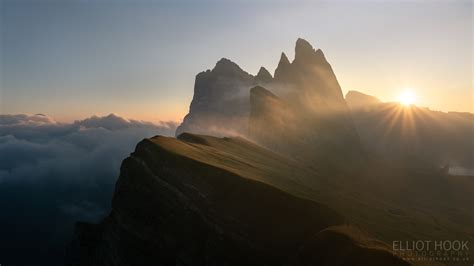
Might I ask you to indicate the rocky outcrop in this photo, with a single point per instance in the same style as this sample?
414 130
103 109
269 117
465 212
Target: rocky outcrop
269 118
263 76
311 78
315 124
283 70
220 105
201 200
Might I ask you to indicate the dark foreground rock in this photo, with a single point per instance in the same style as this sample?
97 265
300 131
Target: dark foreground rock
199 201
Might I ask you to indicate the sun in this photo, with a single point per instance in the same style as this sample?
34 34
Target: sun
407 98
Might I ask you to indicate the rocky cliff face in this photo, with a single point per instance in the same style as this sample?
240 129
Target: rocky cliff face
269 119
306 118
312 121
263 76
220 105
312 79
206 201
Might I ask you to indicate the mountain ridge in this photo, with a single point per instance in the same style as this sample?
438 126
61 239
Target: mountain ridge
202 200
394 131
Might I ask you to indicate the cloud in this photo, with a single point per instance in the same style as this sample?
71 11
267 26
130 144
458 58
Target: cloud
53 174
37 119
36 148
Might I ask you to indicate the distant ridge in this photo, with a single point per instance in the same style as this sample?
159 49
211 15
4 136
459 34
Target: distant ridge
392 131
356 99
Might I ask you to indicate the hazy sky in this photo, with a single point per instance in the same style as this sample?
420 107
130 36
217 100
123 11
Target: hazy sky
71 59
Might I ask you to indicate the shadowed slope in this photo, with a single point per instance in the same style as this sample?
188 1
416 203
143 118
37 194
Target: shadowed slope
202 200
346 246
393 200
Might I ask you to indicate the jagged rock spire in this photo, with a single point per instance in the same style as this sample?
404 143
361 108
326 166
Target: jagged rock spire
282 70
303 49
305 53
283 60
263 76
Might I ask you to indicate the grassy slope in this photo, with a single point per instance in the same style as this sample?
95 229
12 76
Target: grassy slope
390 201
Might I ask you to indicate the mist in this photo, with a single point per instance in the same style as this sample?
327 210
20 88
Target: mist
54 174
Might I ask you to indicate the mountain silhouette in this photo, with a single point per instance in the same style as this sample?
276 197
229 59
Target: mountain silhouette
315 124
284 170
357 100
220 103
312 122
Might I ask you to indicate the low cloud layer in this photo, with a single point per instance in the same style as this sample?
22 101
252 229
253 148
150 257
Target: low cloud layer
53 174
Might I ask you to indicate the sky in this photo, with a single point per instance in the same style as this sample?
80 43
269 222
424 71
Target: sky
71 59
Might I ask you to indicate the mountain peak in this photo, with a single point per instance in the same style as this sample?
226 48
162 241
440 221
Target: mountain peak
263 76
302 45
263 71
219 95
282 72
283 60
304 50
225 64
224 60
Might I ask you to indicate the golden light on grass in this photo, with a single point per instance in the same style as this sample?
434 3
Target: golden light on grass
407 98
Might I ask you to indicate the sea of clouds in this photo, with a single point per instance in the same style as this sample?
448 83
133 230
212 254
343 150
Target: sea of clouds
54 174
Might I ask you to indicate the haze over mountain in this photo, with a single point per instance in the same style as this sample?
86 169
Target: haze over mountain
300 112
206 200
394 131
269 161
288 180
307 116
